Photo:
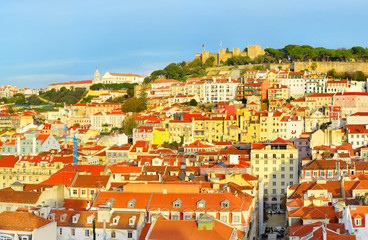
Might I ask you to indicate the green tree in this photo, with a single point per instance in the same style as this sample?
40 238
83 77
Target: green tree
193 102
332 73
290 99
146 80
18 95
359 51
359 76
129 124
209 62
143 98
133 105
34 100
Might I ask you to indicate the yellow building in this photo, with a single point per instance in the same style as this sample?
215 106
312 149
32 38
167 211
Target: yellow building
272 77
29 169
269 125
179 128
160 136
278 91
249 125
215 128
321 99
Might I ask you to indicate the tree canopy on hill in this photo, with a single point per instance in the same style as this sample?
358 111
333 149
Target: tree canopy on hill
182 71
292 53
64 95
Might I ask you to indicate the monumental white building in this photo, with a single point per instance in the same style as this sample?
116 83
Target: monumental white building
109 78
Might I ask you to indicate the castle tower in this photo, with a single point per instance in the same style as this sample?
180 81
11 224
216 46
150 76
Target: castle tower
97 76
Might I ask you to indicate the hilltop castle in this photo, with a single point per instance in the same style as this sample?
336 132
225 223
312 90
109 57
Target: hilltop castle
252 51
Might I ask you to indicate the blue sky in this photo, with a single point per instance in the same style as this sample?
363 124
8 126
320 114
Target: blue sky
44 41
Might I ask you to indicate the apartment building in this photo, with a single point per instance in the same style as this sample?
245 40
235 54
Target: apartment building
277 164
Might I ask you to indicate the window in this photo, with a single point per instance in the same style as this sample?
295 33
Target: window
131 203
291 175
282 183
174 217
291 183
75 192
73 231
282 175
266 191
273 175
130 234
273 191
187 217
273 183
291 169
282 191
113 234
60 231
86 233
83 192
236 218
358 221
283 169
223 218
201 203
225 203
177 203
307 174
92 192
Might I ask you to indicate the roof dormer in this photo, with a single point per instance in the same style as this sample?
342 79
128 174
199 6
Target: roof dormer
132 220
90 219
225 203
115 220
201 203
52 217
131 203
75 218
110 202
177 203
63 217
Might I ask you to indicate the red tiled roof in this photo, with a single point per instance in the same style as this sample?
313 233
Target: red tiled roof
21 221
184 230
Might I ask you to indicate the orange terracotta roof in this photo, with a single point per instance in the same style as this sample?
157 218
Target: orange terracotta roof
19 197
91 181
184 230
21 221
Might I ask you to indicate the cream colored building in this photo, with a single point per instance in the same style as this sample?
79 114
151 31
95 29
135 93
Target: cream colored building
277 164
109 78
209 90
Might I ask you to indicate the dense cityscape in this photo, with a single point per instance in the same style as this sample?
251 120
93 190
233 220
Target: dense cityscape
253 151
